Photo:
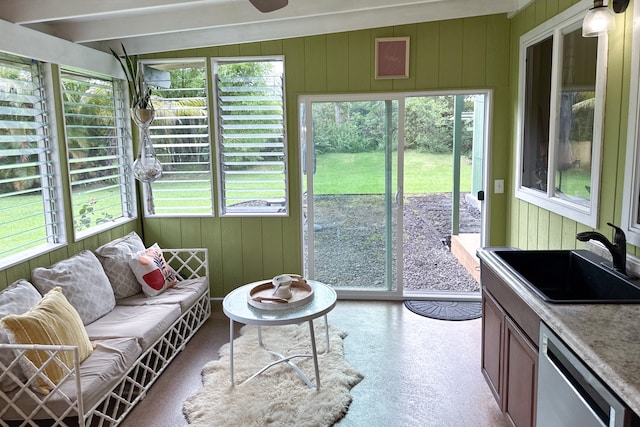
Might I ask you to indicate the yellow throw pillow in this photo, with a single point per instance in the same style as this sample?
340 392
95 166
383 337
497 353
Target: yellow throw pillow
53 321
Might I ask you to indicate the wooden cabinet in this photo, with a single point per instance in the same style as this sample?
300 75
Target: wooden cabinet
509 350
520 377
492 344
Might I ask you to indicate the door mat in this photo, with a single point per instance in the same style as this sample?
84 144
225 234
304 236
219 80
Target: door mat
446 310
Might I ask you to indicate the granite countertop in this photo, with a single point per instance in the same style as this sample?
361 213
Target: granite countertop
605 336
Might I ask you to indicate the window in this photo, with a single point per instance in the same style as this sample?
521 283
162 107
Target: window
30 209
561 98
252 146
180 136
631 199
102 193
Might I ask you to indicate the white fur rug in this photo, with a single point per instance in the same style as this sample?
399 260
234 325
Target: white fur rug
278 397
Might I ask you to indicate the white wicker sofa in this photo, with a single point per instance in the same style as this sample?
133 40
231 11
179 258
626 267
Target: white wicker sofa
134 336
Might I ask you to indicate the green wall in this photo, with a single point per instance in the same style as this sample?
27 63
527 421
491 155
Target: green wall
473 53
456 54
468 53
531 227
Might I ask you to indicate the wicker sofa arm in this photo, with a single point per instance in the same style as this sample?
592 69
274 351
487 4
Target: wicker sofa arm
38 402
188 263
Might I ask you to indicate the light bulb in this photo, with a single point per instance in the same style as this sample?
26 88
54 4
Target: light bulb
599 20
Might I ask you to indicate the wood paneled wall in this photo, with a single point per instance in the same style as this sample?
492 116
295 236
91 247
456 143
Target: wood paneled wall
457 54
531 227
468 53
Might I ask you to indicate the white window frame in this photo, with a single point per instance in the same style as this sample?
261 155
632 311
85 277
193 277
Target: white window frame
156 129
53 202
568 20
282 207
630 221
122 131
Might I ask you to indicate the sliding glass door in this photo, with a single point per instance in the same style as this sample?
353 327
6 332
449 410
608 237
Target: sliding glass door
354 151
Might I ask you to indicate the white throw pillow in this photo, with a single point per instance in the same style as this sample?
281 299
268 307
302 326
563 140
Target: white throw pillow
114 257
152 271
17 298
83 282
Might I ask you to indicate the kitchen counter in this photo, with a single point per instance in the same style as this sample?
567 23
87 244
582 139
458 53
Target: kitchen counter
605 336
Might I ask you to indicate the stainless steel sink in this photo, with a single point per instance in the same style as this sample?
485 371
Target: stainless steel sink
570 276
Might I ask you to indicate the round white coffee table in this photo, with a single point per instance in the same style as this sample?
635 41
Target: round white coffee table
237 309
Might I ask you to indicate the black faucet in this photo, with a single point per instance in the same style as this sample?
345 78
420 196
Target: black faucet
618 248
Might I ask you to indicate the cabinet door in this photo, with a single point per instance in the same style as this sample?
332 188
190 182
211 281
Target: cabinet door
492 342
520 377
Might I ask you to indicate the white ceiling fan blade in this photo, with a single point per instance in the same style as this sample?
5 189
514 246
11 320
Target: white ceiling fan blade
269 5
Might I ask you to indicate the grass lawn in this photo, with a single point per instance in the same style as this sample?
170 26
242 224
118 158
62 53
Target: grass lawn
575 183
337 173
364 173
26 213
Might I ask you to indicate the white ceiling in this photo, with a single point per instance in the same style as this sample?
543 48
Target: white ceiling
146 26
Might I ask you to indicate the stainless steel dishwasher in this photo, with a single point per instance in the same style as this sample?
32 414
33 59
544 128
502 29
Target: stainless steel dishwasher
569 394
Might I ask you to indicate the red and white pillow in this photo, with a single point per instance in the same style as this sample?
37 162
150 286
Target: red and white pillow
152 271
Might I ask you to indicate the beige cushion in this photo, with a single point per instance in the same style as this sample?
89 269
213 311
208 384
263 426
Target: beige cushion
145 323
152 271
53 321
17 298
114 257
185 292
83 282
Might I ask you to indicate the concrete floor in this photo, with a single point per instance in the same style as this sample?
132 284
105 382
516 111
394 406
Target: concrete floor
417 371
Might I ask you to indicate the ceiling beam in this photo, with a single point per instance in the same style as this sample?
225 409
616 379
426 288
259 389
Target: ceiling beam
158 22
272 30
43 47
33 11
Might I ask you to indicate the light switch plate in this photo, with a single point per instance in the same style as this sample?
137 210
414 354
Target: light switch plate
498 186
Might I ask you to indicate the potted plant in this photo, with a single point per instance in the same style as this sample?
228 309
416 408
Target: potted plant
139 92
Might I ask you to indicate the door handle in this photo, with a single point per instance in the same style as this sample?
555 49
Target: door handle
397 198
481 195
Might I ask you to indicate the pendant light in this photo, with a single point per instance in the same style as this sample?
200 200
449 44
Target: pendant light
600 19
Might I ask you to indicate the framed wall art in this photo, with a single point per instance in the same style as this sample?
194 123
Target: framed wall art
392 58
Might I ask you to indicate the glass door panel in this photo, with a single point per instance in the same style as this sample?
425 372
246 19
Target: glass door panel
350 213
443 174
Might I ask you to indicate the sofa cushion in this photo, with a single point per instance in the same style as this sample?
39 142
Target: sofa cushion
185 293
145 323
110 360
115 257
52 321
17 298
83 282
152 271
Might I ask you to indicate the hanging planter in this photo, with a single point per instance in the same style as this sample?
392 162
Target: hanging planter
146 168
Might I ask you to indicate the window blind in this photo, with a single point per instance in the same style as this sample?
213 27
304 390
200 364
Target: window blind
99 159
251 138
180 136
29 209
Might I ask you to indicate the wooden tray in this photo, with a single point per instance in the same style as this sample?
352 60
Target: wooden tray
301 291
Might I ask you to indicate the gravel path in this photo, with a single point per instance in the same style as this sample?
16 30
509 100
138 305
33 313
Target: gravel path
347 245
429 264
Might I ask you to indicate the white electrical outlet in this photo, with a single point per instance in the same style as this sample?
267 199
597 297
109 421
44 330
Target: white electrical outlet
498 186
